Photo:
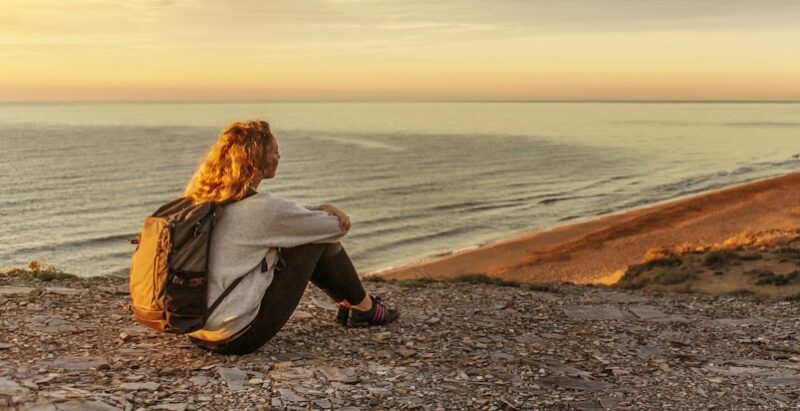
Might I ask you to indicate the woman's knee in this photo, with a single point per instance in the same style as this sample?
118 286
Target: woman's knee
332 249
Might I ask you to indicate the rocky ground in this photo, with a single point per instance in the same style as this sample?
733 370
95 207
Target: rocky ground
67 343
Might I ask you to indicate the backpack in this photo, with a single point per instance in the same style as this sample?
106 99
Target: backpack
169 268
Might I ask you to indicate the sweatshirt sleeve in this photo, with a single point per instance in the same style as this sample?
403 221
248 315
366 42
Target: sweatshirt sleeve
292 225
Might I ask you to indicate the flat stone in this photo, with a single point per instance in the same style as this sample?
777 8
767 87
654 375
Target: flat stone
46 379
594 312
576 383
782 380
542 296
137 330
52 324
65 290
139 386
624 298
288 356
290 396
651 313
5 346
171 406
410 400
648 350
499 355
647 312
343 375
549 336
301 315
588 405
746 362
234 377
738 371
79 363
736 322
609 403
122 289
283 365
199 380
324 304
557 367
323 403
11 290
11 388
74 405
379 392
294 373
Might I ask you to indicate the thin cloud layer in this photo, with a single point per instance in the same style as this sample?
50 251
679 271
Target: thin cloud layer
444 49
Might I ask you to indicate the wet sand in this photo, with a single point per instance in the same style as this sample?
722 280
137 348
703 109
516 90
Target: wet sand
599 250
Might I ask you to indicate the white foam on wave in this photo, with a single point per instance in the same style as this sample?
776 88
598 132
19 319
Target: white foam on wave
374 145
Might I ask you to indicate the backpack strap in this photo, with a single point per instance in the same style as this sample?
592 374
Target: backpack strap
222 296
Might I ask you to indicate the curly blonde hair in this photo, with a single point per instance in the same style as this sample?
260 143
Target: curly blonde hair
234 163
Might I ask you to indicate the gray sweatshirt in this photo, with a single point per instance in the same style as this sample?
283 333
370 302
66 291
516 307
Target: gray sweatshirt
248 231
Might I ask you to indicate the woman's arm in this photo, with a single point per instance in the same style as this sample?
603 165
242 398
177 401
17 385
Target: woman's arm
344 220
289 224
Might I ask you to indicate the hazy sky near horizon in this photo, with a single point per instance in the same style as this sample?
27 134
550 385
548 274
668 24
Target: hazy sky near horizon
404 49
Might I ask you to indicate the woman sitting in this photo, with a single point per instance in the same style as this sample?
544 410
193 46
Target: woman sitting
274 244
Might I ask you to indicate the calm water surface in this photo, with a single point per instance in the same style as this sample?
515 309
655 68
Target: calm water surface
418 179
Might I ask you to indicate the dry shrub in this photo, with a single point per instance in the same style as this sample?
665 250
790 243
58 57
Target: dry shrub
765 238
720 258
38 270
657 253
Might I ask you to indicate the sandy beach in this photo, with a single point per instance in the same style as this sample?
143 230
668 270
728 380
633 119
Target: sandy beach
598 251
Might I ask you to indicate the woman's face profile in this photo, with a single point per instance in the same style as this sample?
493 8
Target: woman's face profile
273 157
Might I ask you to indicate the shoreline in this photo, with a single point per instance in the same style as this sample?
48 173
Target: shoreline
597 250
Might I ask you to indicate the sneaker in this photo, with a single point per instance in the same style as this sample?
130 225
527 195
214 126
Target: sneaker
378 315
342 315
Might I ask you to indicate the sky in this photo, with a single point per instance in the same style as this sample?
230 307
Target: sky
262 50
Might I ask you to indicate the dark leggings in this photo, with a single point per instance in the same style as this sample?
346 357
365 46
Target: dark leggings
327 266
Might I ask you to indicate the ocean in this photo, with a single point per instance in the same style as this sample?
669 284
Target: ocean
417 179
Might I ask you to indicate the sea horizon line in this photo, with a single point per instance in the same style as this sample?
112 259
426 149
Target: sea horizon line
324 101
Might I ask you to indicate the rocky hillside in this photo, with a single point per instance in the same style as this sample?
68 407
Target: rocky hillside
68 343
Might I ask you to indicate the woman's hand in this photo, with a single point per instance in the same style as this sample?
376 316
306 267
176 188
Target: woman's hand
344 220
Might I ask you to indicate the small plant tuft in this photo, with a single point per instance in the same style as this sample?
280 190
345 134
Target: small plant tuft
766 277
750 256
788 254
375 279
668 276
545 288
480 278
38 270
720 258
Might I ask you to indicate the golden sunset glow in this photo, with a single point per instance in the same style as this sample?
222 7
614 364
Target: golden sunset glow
386 50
